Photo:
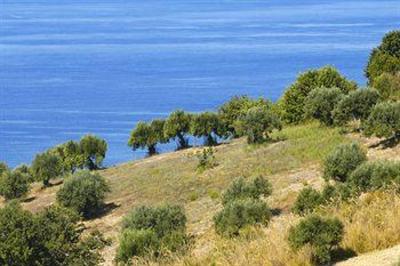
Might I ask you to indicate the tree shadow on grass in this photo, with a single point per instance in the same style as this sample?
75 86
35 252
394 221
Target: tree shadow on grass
387 143
276 211
106 209
30 199
341 254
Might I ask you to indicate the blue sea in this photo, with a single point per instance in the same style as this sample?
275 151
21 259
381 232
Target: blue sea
68 68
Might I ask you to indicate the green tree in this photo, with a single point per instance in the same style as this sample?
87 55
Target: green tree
343 160
206 125
13 184
385 58
84 192
257 124
320 103
237 107
322 234
177 126
71 156
46 166
147 135
3 167
388 86
51 237
93 150
384 121
293 100
307 200
355 106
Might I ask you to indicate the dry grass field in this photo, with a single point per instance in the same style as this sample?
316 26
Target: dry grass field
290 162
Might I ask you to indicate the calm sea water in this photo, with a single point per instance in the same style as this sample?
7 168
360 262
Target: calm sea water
69 68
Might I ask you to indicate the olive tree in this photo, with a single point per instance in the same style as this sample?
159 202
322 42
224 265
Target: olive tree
13 184
206 125
384 121
84 192
293 100
46 166
388 86
71 155
147 135
355 106
177 126
93 151
320 103
258 123
231 111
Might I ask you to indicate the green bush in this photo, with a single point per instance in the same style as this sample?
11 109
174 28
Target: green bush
206 159
355 106
337 193
84 192
257 123
320 103
384 120
46 166
293 100
343 160
307 200
388 86
26 171
13 184
148 135
237 107
51 237
3 167
93 150
375 175
151 231
177 126
240 213
254 189
322 234
385 58
136 243
206 125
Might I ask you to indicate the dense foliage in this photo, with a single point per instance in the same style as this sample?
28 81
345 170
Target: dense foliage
93 151
293 100
384 120
51 237
320 103
307 200
152 231
322 234
84 192
206 125
148 135
177 126
257 123
46 166
344 159
355 106
388 86
13 184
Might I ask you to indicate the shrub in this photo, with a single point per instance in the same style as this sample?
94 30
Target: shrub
206 125
254 189
336 193
320 103
150 231
293 100
384 120
307 200
355 106
388 86
237 107
375 175
135 243
206 159
343 160
84 192
93 151
51 237
177 126
240 213
385 58
26 171
3 167
257 124
13 184
46 166
322 234
147 135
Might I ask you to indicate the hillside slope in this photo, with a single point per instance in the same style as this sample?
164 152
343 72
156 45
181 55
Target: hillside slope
290 162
